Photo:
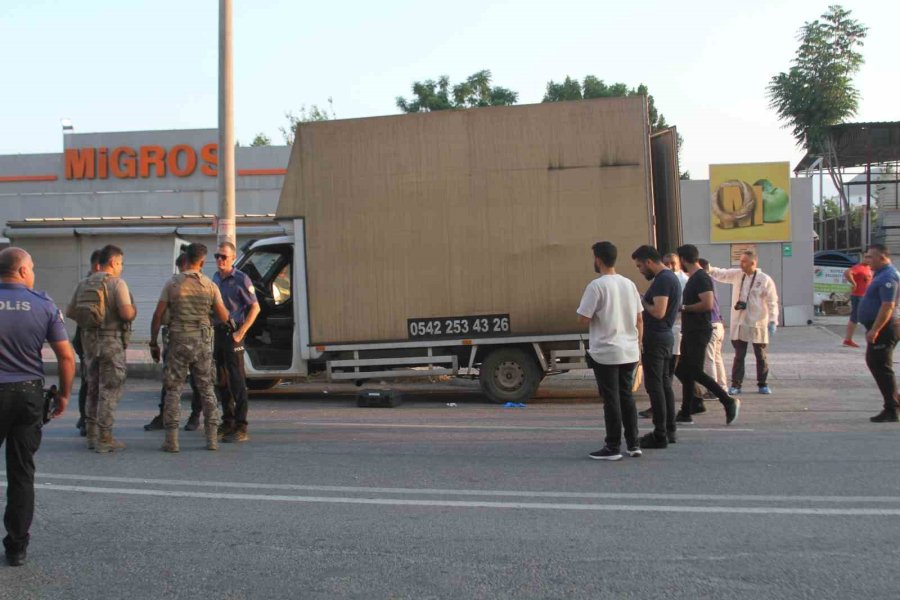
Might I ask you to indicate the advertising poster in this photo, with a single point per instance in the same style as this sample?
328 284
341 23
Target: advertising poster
829 284
750 202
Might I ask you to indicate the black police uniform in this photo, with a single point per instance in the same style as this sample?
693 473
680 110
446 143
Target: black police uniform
27 319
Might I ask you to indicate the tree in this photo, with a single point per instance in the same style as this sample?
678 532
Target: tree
307 115
261 139
593 87
475 91
817 91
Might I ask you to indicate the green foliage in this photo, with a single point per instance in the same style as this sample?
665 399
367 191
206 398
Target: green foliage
307 115
817 91
475 91
261 139
592 87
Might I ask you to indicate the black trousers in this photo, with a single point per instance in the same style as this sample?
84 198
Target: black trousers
737 368
690 369
880 360
21 412
232 391
656 361
614 383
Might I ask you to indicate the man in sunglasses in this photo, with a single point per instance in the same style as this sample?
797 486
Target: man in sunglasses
240 301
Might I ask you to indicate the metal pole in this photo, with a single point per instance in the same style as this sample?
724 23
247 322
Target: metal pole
225 223
868 224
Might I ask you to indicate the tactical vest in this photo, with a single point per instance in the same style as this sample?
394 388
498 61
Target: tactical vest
191 297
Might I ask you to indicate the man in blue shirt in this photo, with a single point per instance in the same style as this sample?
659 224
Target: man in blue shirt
876 313
27 319
661 302
240 300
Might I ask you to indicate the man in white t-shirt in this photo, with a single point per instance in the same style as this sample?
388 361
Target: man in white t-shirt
611 305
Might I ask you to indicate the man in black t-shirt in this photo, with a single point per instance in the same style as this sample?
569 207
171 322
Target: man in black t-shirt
662 302
696 331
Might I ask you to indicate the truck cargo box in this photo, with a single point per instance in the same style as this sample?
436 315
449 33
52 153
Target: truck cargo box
488 211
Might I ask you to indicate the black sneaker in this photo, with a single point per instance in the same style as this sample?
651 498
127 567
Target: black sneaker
699 407
193 422
635 452
651 442
732 410
155 425
646 414
683 418
671 438
606 454
16 559
885 417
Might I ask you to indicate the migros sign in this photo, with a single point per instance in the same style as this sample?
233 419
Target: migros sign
126 162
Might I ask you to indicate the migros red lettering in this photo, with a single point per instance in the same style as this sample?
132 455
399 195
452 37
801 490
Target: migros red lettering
125 162
80 163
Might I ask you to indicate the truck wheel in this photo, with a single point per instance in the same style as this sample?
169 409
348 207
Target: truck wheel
509 375
262 384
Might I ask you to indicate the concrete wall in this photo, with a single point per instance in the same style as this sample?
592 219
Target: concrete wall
793 275
192 195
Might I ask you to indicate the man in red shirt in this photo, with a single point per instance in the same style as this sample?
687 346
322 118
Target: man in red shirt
859 275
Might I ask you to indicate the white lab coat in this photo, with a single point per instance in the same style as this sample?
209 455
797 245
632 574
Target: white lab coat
750 325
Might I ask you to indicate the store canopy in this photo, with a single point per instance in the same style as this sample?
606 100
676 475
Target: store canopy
858 144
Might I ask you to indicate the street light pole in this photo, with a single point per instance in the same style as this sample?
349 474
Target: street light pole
225 222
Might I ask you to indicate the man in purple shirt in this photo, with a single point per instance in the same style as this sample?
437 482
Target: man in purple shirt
239 298
27 319
713 365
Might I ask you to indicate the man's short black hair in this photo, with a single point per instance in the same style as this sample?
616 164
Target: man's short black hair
95 257
688 254
107 253
704 264
606 252
646 252
194 253
881 249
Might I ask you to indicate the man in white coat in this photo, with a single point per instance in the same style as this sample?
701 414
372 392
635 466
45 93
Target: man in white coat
754 317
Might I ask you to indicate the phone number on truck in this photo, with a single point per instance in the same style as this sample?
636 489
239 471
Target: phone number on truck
449 327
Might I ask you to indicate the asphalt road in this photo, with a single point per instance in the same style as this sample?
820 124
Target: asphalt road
799 499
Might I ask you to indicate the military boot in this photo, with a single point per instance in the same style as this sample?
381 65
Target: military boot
107 443
212 437
171 443
91 435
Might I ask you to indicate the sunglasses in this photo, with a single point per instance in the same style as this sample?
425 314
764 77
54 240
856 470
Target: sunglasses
221 256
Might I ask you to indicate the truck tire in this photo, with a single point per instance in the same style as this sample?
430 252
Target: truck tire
509 375
262 384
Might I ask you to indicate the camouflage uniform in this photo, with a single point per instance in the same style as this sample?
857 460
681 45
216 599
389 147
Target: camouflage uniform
190 297
104 360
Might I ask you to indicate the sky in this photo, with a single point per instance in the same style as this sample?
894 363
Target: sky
141 65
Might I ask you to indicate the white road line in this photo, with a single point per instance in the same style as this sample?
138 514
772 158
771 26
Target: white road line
862 512
502 427
473 493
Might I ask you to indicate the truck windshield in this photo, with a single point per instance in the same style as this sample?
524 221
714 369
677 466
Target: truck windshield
260 266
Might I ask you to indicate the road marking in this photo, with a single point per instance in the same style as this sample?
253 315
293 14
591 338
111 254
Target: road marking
748 510
475 493
503 427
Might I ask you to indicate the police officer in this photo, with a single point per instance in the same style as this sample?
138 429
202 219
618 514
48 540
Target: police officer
104 349
188 297
243 308
27 319
876 313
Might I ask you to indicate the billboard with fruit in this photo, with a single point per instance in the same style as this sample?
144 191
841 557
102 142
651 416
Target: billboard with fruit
750 202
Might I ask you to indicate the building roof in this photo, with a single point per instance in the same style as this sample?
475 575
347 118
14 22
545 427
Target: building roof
860 143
